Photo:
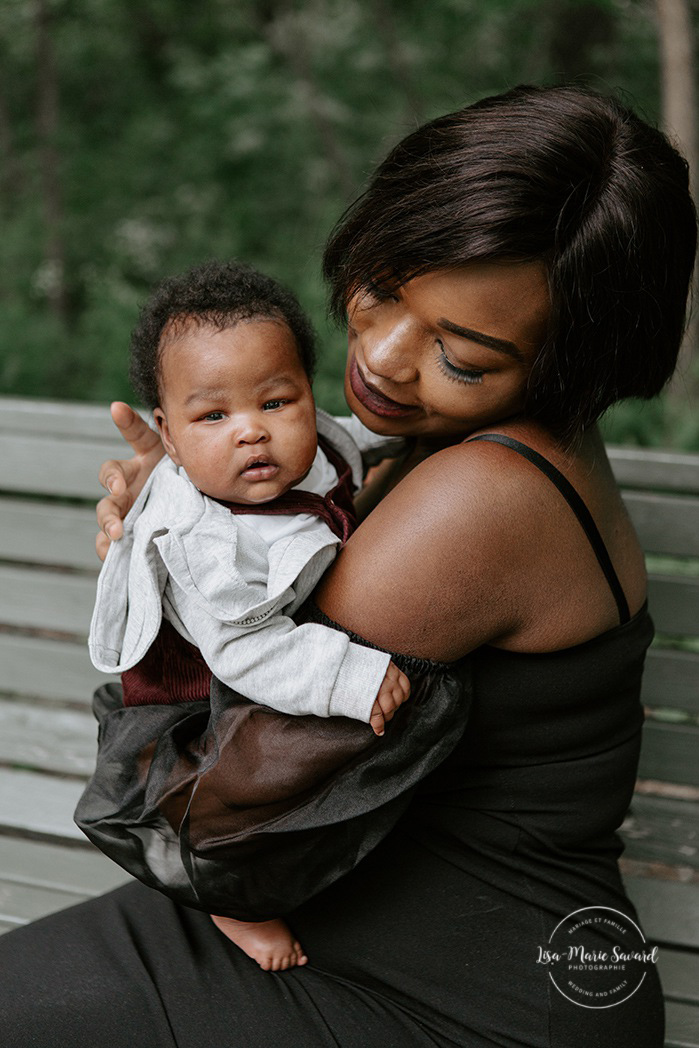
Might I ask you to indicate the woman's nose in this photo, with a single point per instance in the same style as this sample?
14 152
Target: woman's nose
391 352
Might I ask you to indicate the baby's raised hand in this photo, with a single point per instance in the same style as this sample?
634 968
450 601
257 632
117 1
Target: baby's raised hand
394 690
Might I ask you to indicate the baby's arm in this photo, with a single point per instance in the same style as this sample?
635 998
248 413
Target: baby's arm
306 669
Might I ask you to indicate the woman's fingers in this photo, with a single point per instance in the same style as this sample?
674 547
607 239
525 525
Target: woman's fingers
111 511
102 545
112 476
133 429
124 478
116 475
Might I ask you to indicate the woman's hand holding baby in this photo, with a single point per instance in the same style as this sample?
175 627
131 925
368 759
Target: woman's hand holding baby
124 478
394 690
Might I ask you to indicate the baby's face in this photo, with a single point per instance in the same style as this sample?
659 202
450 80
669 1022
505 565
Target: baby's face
237 409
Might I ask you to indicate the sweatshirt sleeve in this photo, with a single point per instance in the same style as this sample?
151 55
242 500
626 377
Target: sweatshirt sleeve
307 669
373 446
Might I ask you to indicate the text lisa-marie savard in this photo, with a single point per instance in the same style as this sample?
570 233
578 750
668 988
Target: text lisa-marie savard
615 956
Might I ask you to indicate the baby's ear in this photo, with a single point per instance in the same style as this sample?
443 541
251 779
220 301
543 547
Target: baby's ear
164 430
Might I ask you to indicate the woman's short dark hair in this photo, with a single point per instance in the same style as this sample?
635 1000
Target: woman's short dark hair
562 175
219 294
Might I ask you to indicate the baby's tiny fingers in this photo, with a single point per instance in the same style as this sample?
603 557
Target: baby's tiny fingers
386 699
377 723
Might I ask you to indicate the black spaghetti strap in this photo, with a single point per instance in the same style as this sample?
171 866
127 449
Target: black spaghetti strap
578 507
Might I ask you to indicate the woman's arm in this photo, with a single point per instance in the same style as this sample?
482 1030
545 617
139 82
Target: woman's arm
425 573
476 546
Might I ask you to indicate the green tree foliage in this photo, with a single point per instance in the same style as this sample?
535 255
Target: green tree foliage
139 137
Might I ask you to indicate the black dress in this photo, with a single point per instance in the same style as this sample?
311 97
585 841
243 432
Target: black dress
432 938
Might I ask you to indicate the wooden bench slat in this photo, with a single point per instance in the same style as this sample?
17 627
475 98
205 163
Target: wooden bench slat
674 604
669 910
661 829
652 470
669 753
41 534
679 974
85 871
682 1025
665 524
56 418
46 466
54 670
57 740
671 678
46 600
40 804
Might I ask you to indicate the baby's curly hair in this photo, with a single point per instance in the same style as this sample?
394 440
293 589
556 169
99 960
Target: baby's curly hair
218 294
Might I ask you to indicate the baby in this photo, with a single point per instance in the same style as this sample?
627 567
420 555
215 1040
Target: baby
236 526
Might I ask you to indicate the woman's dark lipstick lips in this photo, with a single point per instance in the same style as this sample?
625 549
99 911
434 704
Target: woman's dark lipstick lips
372 399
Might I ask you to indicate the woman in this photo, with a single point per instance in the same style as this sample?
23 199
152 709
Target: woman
512 270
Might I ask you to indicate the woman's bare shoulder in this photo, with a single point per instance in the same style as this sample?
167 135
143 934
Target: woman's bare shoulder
437 568
476 546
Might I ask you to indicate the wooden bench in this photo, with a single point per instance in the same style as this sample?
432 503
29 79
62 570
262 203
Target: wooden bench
49 455
661 832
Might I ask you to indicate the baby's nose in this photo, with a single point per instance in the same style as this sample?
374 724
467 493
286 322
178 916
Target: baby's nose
251 433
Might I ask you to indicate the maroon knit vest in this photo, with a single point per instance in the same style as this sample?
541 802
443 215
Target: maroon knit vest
173 670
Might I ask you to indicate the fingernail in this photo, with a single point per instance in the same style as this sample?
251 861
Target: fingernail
109 530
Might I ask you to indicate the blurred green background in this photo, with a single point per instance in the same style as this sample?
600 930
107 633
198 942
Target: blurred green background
139 137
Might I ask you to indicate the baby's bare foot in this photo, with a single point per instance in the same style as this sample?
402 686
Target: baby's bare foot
270 943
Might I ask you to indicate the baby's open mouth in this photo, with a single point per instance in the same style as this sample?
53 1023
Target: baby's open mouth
259 469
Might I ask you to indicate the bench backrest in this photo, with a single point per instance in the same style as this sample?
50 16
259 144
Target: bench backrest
49 457
661 492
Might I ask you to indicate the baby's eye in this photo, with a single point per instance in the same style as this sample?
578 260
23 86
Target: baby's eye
212 416
272 405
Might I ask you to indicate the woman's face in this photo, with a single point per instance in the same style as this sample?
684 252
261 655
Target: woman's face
449 352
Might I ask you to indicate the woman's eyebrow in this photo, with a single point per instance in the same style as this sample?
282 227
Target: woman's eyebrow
500 345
